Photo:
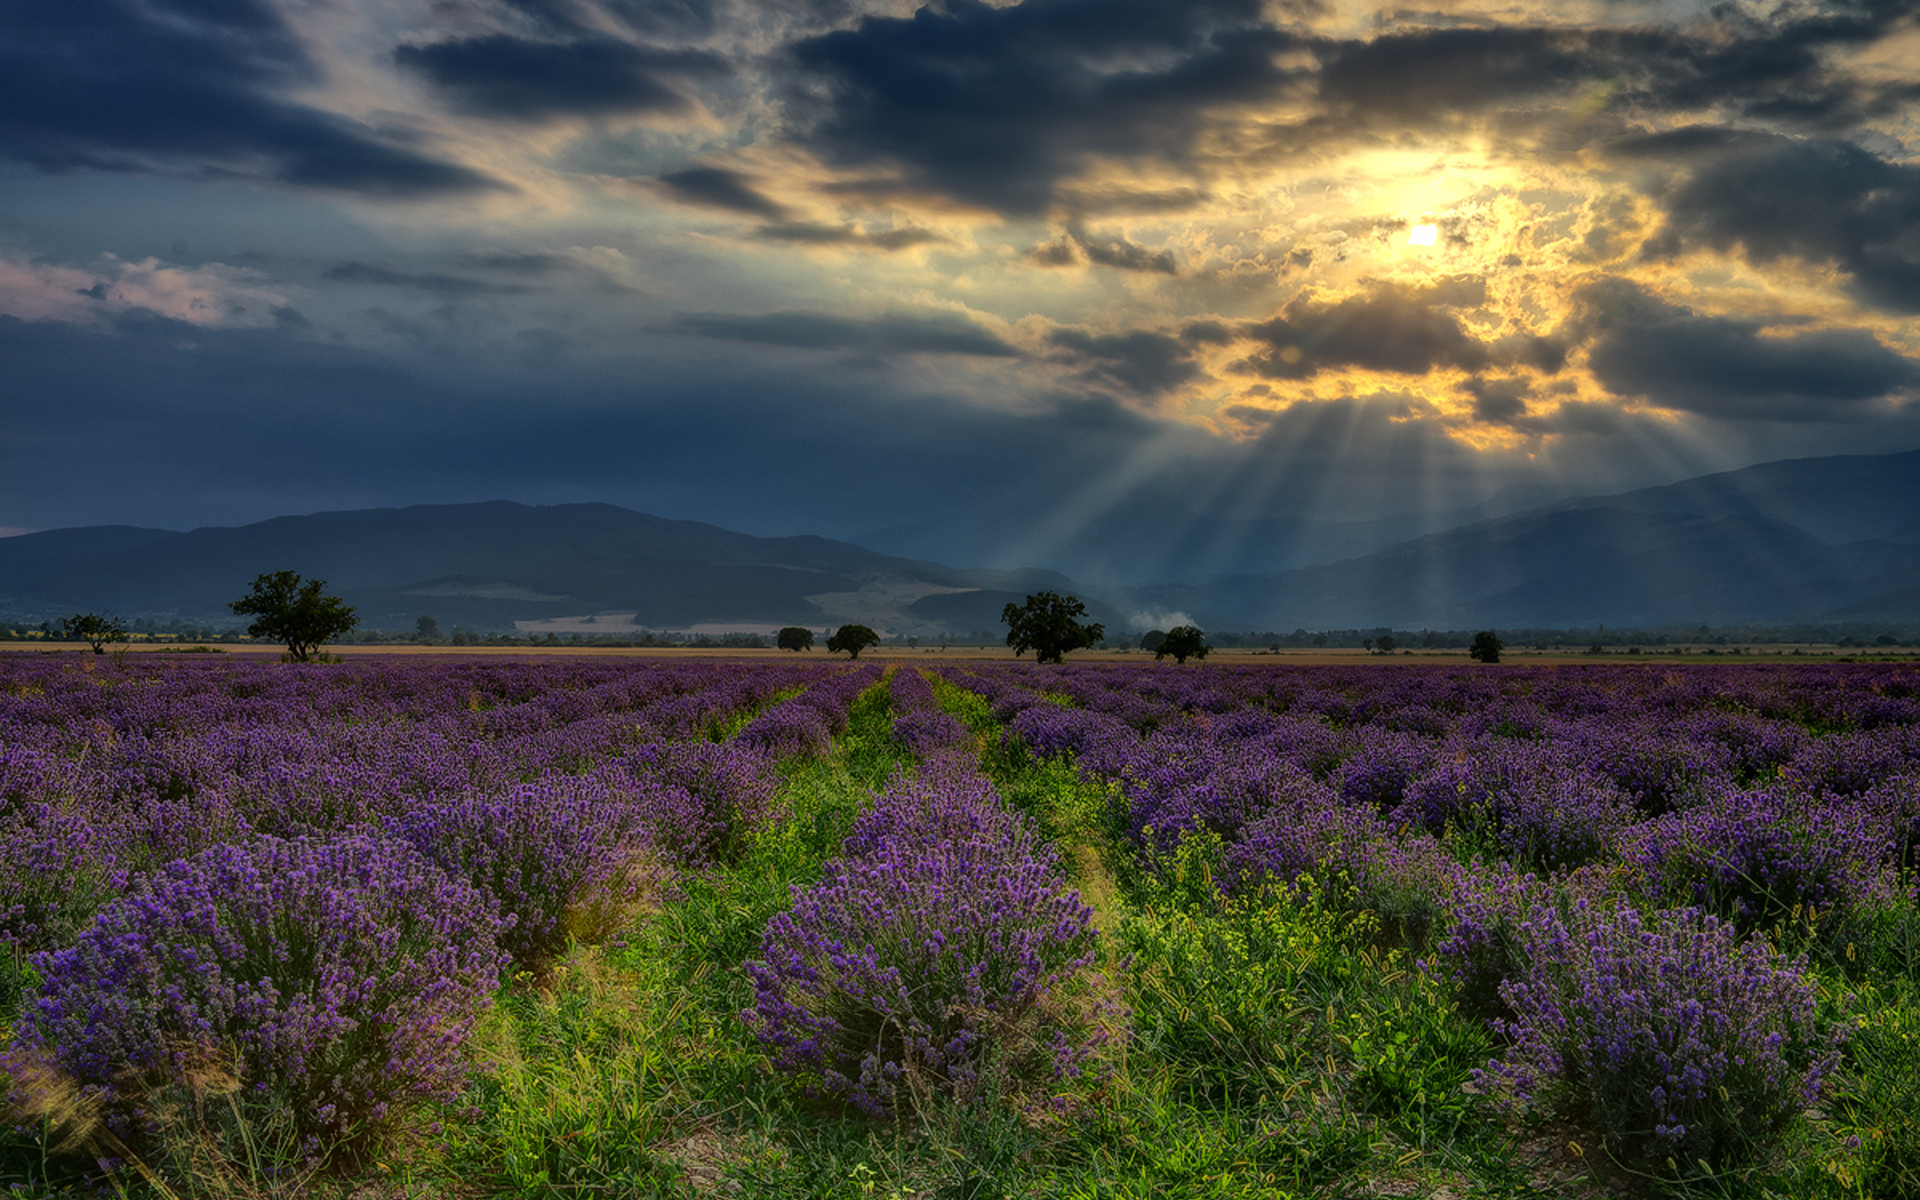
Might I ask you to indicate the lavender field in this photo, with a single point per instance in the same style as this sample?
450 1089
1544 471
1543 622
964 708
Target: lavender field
603 927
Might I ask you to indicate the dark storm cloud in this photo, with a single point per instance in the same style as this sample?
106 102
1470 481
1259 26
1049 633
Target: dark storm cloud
716 187
666 17
1777 70
446 285
899 333
1499 401
1406 331
1003 107
530 263
187 86
217 427
1140 362
1721 367
1106 250
999 107
818 234
1819 199
518 79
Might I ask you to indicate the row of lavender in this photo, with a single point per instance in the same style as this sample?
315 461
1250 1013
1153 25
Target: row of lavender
942 956
1603 860
317 876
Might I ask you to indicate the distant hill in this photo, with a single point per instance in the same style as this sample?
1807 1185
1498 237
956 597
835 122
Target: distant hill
1804 539
1147 539
495 565
1813 538
1580 567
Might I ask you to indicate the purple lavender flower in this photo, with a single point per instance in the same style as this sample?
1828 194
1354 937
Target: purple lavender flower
943 956
1680 1041
339 976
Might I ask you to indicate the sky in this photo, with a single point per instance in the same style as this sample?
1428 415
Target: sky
830 266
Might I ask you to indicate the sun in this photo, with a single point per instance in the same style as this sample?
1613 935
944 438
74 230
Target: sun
1423 235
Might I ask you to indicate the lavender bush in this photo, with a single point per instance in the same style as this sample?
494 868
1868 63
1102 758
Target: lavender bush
943 958
337 977
560 860
697 800
1686 1046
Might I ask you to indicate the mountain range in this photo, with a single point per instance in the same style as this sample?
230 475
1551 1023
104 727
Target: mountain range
1807 539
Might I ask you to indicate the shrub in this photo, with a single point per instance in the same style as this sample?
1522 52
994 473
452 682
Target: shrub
336 980
1759 857
789 729
945 959
1684 1045
699 801
559 859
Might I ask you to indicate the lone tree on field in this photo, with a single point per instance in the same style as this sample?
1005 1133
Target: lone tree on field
1045 624
793 637
298 614
853 639
1183 642
1485 648
94 629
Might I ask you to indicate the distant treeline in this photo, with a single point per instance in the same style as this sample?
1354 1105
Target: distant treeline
1673 637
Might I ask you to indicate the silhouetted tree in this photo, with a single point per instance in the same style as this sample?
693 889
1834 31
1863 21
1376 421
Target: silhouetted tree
1183 642
853 639
426 629
1486 647
93 629
1385 643
1151 639
793 637
298 614
1046 625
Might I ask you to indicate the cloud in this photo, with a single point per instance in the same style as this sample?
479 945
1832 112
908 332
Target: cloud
1000 107
210 296
1780 69
818 234
1111 251
717 187
1823 200
1721 367
446 285
1140 362
1402 330
537 262
896 333
518 79
193 88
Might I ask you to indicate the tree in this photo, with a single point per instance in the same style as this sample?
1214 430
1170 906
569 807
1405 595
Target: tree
1151 639
298 614
94 629
853 639
1045 624
1486 647
793 637
426 629
1183 642
1385 643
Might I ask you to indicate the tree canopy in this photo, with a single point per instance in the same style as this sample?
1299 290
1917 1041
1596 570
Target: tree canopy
853 639
298 614
1486 647
1183 642
94 629
1046 625
795 637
